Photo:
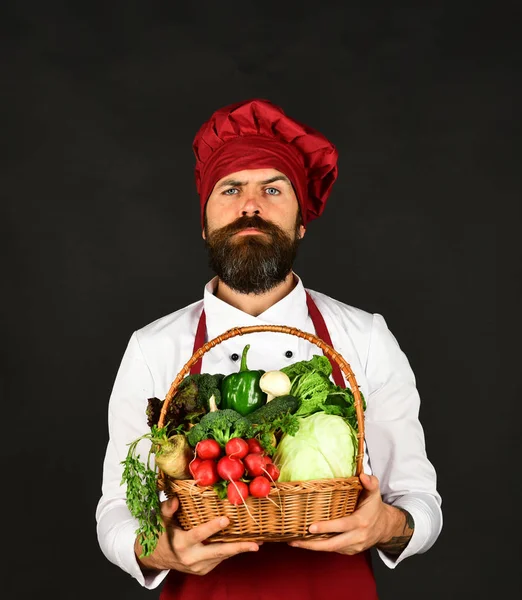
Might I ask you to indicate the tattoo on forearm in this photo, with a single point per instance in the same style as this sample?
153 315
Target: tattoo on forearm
398 543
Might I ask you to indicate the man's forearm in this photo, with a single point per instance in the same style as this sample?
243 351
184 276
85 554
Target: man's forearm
399 533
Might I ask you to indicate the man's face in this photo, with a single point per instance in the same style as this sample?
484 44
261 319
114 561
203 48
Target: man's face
252 229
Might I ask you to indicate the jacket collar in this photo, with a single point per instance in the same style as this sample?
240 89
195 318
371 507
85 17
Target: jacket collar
290 310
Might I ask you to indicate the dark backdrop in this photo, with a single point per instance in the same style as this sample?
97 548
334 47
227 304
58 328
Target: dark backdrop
100 224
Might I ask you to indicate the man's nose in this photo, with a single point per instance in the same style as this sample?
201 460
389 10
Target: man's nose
251 204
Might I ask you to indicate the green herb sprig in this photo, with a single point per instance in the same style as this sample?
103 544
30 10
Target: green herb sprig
142 491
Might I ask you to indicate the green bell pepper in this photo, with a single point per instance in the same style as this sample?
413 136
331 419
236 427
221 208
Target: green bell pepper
240 391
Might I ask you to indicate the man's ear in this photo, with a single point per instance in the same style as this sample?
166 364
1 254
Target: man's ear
302 231
203 234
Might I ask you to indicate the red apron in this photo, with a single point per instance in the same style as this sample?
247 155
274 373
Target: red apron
278 570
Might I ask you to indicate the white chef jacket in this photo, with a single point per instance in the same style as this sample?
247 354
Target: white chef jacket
394 438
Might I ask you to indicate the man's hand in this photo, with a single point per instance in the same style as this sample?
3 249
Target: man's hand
373 523
186 551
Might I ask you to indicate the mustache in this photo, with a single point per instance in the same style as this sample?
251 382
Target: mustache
245 222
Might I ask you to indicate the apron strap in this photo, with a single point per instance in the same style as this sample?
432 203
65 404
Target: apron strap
322 332
199 341
320 328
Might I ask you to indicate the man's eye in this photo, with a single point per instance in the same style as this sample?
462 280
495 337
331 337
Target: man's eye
230 192
272 191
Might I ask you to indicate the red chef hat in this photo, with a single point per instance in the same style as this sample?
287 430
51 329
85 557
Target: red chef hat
257 134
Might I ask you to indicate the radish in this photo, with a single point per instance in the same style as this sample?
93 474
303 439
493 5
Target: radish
236 447
230 469
237 492
206 449
207 473
259 487
272 472
254 447
193 465
267 459
255 464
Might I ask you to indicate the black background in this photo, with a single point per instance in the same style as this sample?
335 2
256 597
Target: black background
100 224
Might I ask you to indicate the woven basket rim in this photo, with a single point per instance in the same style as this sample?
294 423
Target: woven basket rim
190 486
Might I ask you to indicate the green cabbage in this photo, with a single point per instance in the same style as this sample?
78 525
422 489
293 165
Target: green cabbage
324 447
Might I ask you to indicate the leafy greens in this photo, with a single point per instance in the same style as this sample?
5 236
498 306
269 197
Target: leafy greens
312 386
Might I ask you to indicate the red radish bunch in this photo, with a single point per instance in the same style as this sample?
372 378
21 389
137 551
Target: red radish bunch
244 467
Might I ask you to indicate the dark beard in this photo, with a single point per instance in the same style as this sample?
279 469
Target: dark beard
252 264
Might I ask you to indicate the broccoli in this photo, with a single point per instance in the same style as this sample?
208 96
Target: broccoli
220 425
196 395
208 388
193 397
274 419
279 406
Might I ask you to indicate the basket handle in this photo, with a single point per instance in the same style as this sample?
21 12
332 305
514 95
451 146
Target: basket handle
327 350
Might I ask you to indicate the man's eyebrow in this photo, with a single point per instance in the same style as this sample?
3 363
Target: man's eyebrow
237 183
276 178
231 182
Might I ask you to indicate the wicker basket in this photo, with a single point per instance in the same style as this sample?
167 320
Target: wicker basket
295 505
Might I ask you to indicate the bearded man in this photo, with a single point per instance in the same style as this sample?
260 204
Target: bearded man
261 178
